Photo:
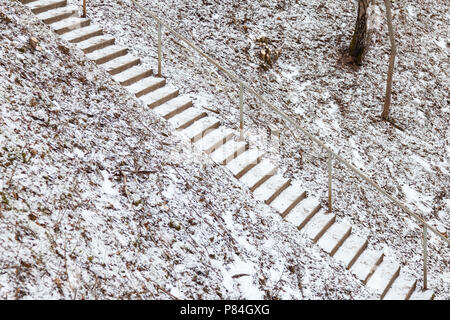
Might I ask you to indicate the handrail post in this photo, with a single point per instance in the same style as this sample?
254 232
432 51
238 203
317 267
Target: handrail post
159 49
241 111
84 9
425 258
330 177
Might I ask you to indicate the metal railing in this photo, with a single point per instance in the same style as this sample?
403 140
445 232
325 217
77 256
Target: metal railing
331 154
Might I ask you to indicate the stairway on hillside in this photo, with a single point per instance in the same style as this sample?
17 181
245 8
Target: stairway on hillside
382 274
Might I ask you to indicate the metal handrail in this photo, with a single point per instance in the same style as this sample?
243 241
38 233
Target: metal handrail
331 154
291 121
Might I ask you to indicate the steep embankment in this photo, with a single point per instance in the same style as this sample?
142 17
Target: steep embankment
97 201
339 104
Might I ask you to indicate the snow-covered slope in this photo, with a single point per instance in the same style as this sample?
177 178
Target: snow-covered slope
339 104
98 202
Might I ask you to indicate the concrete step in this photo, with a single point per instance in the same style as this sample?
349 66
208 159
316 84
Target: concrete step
318 225
159 96
227 152
96 43
259 174
132 75
270 189
69 24
214 139
121 64
419 294
107 54
350 250
201 128
366 264
402 288
146 85
82 34
58 14
289 198
244 162
45 5
173 107
303 212
383 277
335 237
186 118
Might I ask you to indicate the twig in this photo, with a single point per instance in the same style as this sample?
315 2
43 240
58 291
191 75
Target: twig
212 110
162 289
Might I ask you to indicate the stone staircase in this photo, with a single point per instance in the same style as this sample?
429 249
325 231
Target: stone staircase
336 237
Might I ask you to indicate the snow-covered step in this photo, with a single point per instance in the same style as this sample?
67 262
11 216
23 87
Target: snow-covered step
96 43
201 128
350 250
82 34
121 64
383 277
133 75
402 288
366 264
69 24
186 118
214 139
334 237
227 152
174 106
58 14
107 54
422 295
259 174
303 212
289 198
45 5
270 189
146 85
244 162
159 96
318 225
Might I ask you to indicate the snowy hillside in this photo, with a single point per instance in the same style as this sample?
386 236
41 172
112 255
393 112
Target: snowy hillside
336 103
100 199
73 227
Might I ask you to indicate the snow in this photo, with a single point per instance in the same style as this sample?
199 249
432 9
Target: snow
366 263
334 236
421 201
122 248
352 246
400 288
239 164
302 211
318 224
186 117
270 187
383 275
288 196
264 169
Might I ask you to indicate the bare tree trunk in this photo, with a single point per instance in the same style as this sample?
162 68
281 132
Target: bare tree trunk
359 39
387 100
